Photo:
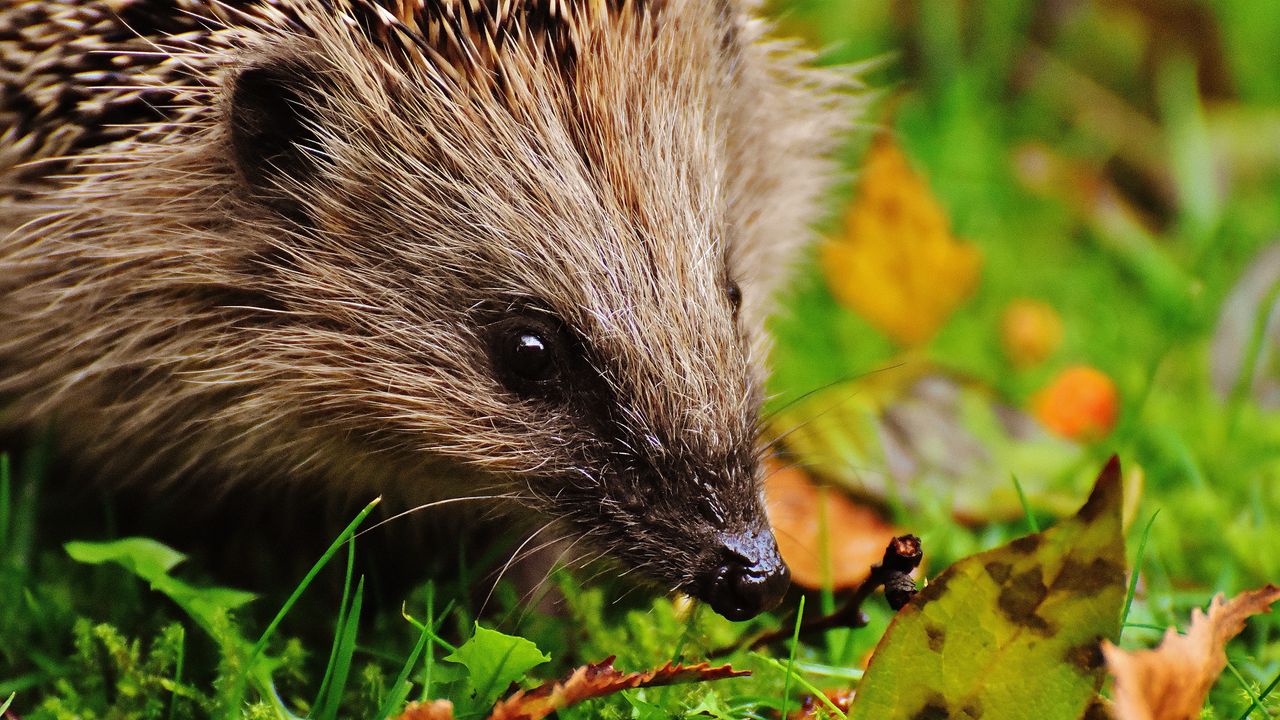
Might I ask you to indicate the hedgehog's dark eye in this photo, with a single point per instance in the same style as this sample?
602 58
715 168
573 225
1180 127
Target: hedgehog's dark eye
530 357
526 359
735 296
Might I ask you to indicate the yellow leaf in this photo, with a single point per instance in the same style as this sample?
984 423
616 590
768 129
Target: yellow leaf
1172 681
1012 632
898 265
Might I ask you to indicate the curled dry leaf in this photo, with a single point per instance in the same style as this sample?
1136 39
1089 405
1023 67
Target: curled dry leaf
429 710
597 680
1172 681
814 525
587 682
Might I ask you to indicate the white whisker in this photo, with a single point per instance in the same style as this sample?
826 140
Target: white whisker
437 503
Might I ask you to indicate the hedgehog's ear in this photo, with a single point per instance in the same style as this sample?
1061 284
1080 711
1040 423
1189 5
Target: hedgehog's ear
272 126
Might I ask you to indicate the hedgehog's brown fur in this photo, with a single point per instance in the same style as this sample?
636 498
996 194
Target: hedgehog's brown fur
186 312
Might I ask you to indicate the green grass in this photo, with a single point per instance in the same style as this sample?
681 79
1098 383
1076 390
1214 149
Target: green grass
1140 302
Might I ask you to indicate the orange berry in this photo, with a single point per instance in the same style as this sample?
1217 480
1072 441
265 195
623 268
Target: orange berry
1030 331
1081 403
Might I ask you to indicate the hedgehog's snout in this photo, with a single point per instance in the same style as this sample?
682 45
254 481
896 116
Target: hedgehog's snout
749 578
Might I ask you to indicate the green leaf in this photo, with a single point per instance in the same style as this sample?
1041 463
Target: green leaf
494 661
144 557
1012 632
152 561
447 674
711 706
642 709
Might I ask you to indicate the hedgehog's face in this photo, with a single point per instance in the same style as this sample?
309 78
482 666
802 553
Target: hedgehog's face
652 450
542 280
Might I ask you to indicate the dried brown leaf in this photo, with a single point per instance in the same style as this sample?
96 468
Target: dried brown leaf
430 710
597 680
818 526
1172 681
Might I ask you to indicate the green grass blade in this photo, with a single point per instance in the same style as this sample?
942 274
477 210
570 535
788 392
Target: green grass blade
432 631
177 669
1137 569
827 593
30 680
343 608
1026 506
6 500
431 648
430 628
347 649
25 512
399 691
808 686
689 626
463 615
306 581
252 671
4 707
791 660
1256 703
839 672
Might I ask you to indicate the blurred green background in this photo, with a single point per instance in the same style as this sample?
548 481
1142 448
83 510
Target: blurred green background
1119 162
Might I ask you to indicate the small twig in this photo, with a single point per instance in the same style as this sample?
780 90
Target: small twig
901 558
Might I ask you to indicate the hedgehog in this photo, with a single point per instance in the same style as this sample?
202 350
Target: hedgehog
516 250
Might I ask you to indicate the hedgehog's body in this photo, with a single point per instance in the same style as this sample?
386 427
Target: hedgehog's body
444 246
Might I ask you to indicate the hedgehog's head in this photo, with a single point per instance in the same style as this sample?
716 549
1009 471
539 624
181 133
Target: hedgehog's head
538 244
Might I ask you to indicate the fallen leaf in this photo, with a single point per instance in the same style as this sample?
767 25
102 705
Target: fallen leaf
597 680
918 433
814 524
1014 632
430 710
1081 403
897 264
1172 681
584 683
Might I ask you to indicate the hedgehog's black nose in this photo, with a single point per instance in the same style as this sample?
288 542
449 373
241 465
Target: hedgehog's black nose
750 579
